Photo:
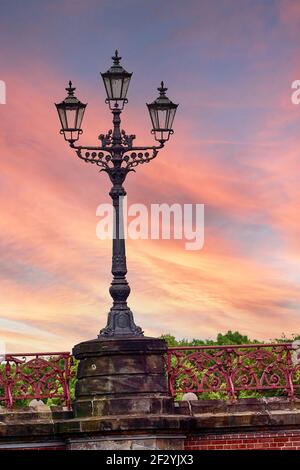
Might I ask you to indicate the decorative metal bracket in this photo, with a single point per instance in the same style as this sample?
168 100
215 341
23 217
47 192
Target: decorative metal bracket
114 159
134 159
126 140
96 158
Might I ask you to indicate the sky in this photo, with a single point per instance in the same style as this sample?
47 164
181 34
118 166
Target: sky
235 149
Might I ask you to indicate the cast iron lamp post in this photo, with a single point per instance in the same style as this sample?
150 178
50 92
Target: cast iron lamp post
117 156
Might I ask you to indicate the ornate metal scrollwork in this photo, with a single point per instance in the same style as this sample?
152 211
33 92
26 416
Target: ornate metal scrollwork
96 158
126 140
134 159
106 139
233 369
36 376
107 161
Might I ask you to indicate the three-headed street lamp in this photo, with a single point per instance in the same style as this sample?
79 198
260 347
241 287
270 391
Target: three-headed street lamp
117 157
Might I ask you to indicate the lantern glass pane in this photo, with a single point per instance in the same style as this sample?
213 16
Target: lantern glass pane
161 135
126 81
116 85
162 118
62 117
153 116
108 89
71 118
71 135
80 116
171 117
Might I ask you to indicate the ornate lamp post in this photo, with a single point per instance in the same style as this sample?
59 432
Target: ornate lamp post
117 156
121 371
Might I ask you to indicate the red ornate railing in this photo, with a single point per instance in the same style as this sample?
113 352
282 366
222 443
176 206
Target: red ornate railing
35 375
229 370
233 369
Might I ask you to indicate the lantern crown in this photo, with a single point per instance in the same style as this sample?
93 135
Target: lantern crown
162 113
116 81
71 112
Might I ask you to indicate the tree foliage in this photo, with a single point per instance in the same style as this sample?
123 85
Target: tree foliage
222 339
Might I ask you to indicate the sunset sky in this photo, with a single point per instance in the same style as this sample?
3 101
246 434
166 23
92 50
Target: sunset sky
236 149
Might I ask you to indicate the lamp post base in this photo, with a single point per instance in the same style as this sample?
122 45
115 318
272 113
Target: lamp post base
121 323
121 376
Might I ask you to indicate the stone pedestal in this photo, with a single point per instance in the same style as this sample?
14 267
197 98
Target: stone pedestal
121 376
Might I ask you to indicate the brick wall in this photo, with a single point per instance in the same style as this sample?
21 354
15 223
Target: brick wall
279 440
